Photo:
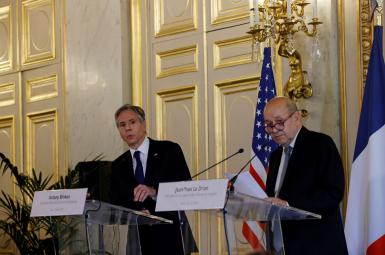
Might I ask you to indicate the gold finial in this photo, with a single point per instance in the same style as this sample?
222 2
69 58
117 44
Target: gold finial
378 12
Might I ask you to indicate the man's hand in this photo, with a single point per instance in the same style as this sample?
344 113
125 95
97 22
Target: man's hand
141 192
277 201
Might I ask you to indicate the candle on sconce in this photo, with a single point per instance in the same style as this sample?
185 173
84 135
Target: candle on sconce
288 8
251 12
256 11
314 8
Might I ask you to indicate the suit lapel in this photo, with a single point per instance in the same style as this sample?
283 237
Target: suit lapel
152 157
295 155
125 166
273 171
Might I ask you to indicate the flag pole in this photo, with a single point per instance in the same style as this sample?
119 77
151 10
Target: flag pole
379 13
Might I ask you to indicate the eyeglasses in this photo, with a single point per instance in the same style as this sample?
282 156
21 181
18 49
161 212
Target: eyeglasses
279 125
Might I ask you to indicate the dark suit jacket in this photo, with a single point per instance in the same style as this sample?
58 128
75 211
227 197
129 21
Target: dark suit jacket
314 182
165 163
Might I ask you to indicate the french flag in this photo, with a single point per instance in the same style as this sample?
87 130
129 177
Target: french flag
365 216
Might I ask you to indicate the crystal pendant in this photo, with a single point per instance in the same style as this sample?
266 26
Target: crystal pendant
316 53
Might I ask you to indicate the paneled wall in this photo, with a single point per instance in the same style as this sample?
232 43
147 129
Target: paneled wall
32 116
192 72
65 66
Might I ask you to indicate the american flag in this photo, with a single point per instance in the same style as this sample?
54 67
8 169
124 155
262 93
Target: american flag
262 145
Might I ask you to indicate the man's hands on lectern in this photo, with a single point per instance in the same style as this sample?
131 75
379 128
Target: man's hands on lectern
277 201
141 192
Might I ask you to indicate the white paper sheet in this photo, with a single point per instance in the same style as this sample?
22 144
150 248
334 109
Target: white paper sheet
246 184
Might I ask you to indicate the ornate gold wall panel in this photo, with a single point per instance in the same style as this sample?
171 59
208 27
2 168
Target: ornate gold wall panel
42 142
232 52
7 147
32 134
234 102
42 88
38 31
7 94
174 16
179 104
7 139
177 61
177 120
226 11
10 109
6 40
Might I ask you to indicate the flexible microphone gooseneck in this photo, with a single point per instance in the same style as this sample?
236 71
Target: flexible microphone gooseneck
205 170
234 179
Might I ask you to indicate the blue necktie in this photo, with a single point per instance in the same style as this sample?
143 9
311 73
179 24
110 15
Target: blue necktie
139 175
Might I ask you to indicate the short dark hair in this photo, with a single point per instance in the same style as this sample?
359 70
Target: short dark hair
129 107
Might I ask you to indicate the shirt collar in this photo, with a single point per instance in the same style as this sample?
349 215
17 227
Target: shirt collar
293 141
143 148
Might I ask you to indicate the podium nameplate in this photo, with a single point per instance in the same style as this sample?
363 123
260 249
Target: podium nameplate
191 195
58 202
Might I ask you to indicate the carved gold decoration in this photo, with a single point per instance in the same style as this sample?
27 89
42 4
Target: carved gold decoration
42 88
366 31
38 31
177 61
7 94
296 86
169 19
6 39
232 52
278 22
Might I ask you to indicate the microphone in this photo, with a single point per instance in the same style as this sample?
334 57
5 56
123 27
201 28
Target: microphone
234 179
232 155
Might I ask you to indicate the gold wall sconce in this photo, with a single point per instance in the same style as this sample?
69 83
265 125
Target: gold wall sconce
276 21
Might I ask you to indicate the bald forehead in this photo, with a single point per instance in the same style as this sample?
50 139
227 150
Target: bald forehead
281 103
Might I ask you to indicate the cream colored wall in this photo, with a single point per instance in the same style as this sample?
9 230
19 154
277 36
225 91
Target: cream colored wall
96 76
91 60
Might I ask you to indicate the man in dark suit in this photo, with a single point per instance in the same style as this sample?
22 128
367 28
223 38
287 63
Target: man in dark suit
305 172
136 174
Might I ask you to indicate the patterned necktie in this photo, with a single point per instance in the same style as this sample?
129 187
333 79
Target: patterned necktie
139 175
287 152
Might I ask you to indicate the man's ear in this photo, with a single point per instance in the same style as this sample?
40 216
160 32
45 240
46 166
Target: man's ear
298 115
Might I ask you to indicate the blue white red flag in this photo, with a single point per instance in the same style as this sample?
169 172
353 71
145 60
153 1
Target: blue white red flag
365 216
262 146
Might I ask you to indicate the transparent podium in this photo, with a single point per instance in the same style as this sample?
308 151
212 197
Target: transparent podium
240 207
104 229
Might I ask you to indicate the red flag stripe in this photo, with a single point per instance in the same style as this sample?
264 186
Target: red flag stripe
257 178
251 237
377 247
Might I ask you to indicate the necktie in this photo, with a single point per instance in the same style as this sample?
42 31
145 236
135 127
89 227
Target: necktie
139 175
287 152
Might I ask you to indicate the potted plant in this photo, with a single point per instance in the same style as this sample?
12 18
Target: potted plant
32 235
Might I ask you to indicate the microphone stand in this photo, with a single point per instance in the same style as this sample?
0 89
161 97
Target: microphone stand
230 188
205 170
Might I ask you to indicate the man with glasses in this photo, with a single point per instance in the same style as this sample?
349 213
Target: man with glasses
305 172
